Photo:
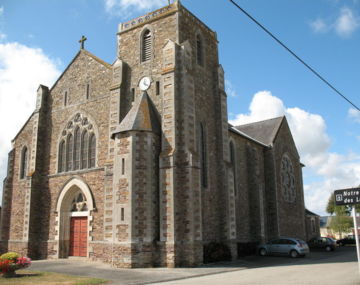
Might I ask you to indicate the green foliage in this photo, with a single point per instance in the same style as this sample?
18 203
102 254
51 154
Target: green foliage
10 256
341 224
332 209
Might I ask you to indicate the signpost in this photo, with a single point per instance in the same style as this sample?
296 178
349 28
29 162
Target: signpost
350 197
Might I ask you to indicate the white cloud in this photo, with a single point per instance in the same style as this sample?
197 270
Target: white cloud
125 8
259 109
319 26
331 170
347 22
2 37
230 89
354 114
22 69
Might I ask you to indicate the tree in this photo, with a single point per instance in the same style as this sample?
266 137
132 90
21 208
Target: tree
341 224
332 209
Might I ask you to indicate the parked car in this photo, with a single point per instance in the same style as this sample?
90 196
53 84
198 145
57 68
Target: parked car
350 239
293 247
322 243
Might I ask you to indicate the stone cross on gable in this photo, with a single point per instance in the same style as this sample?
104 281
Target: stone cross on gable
82 41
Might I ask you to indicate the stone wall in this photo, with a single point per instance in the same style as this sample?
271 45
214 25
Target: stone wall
291 214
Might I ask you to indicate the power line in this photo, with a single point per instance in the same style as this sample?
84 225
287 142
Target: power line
293 53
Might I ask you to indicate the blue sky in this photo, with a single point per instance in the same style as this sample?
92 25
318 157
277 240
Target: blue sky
39 38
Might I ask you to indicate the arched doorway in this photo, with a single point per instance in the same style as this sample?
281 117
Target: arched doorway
74 208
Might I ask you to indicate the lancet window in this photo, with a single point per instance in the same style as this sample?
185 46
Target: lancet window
24 162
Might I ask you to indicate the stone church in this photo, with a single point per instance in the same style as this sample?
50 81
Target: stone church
135 164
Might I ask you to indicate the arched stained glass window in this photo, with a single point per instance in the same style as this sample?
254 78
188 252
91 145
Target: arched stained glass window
23 162
62 157
84 149
69 152
92 147
77 149
146 43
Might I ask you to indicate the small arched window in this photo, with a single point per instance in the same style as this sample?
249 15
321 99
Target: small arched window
23 162
233 164
203 156
199 50
62 157
146 46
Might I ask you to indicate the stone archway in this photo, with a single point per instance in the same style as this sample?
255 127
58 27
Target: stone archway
74 207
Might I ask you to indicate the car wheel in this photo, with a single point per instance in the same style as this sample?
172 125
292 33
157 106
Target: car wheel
341 244
262 251
294 254
328 248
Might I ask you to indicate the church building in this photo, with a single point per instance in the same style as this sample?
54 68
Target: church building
135 164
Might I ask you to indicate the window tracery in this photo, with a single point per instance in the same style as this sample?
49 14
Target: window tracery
288 179
77 148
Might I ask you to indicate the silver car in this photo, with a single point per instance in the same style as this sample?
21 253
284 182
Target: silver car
293 247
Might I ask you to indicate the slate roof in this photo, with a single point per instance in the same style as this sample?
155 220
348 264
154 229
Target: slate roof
307 212
263 131
141 117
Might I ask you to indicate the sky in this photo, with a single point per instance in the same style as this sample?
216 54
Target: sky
39 38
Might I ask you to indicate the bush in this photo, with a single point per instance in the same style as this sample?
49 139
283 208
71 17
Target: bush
10 256
12 261
215 251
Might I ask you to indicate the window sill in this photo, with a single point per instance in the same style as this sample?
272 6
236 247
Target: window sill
75 172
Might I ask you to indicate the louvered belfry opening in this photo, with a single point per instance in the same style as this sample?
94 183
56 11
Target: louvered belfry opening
146 46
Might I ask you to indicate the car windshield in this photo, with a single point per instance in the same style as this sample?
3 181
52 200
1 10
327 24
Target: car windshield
301 241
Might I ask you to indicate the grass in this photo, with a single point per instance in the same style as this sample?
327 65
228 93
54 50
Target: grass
31 278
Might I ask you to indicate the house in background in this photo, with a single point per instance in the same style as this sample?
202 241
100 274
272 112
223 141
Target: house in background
312 221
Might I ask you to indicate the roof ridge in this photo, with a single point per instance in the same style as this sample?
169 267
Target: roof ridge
257 122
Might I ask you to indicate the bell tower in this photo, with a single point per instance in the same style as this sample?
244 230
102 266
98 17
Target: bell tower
168 65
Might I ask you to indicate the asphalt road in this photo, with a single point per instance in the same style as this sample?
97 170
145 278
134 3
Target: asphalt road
339 267
330 268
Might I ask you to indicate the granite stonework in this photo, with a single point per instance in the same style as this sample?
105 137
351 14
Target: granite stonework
166 174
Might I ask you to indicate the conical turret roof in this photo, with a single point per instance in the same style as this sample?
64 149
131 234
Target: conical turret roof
141 117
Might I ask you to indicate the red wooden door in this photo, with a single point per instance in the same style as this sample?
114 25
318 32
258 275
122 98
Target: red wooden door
78 236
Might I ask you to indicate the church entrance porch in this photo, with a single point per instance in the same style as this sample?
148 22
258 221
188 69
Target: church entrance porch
78 236
75 205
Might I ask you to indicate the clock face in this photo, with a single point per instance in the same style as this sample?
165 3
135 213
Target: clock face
145 83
